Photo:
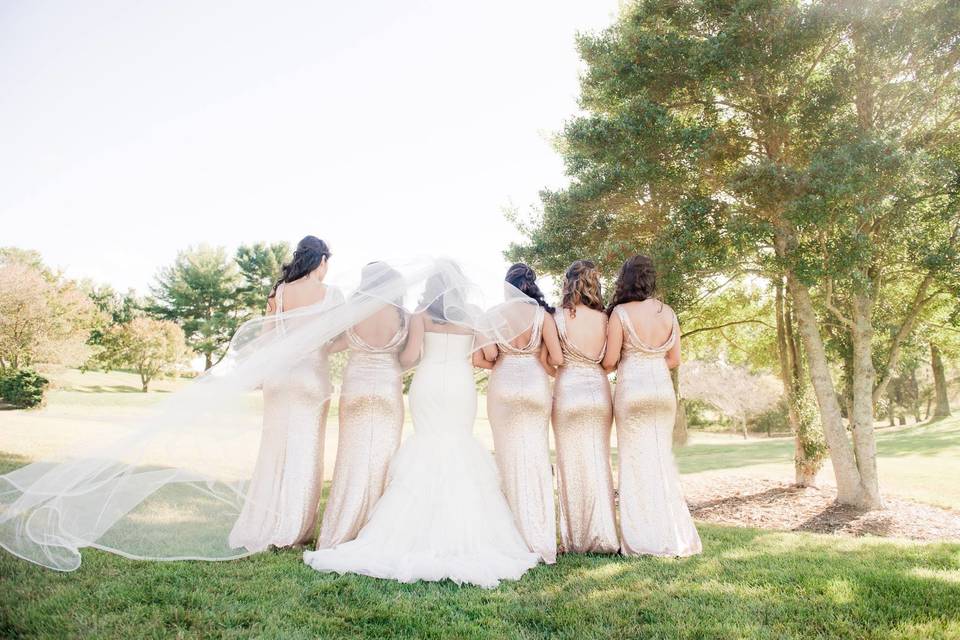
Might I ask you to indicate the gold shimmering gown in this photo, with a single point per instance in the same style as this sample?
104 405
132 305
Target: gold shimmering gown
518 406
284 493
371 422
582 420
654 518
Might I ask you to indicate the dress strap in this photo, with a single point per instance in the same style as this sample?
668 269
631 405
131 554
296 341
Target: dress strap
279 312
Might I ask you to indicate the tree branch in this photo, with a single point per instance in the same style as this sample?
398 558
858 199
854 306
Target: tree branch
727 324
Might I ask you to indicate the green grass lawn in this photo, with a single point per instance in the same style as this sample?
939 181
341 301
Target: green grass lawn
747 583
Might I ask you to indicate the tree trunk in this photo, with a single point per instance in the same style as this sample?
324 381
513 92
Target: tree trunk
842 456
941 405
680 433
208 360
864 378
789 365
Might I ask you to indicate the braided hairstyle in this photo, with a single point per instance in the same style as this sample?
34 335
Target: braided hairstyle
636 282
309 254
525 279
581 285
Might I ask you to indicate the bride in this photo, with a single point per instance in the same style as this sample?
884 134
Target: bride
442 515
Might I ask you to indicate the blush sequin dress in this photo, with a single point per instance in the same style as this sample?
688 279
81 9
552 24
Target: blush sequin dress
518 406
284 493
371 422
654 518
582 421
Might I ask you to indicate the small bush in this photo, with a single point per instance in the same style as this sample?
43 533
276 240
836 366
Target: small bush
23 388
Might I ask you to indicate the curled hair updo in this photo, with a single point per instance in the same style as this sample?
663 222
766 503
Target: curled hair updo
525 279
309 254
581 285
636 282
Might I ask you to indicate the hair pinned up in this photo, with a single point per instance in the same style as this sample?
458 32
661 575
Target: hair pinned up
581 285
524 278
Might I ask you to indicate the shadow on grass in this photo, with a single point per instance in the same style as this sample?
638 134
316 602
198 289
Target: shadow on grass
113 388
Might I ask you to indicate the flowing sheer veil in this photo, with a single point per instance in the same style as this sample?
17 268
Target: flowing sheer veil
173 485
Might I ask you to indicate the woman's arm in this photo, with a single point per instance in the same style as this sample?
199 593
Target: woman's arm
551 341
614 343
545 362
490 352
411 351
480 360
673 356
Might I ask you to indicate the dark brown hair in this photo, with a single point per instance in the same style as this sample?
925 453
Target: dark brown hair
524 278
309 254
636 282
581 285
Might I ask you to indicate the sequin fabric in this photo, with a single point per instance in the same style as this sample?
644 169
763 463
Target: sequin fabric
654 518
371 422
518 407
582 421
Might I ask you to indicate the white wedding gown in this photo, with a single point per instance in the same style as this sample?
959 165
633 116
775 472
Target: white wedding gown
442 515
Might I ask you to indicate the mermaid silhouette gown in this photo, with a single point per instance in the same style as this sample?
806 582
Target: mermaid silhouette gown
654 518
518 406
284 493
442 515
371 422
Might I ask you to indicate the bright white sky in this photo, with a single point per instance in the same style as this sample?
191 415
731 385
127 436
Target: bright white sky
130 130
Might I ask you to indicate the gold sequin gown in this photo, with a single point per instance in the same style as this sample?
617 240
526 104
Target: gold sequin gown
371 422
654 518
582 420
284 493
518 406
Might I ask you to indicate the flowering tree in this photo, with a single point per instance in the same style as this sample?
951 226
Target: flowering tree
732 390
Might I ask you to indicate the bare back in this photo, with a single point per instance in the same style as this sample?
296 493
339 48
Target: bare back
652 320
380 328
300 293
444 327
587 329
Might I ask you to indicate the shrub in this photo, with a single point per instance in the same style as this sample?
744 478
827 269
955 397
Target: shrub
23 388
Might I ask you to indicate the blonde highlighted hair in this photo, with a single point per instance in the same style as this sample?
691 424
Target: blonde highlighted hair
581 285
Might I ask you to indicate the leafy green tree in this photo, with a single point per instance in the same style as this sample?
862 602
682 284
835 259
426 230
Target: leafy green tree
114 308
260 266
148 346
200 293
806 141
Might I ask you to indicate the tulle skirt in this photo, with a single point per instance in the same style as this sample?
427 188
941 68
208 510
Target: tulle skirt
442 517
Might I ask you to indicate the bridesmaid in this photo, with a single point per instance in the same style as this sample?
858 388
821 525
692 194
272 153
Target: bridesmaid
518 406
284 494
583 416
654 518
371 413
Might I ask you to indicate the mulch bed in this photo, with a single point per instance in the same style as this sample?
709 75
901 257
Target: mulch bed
767 504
